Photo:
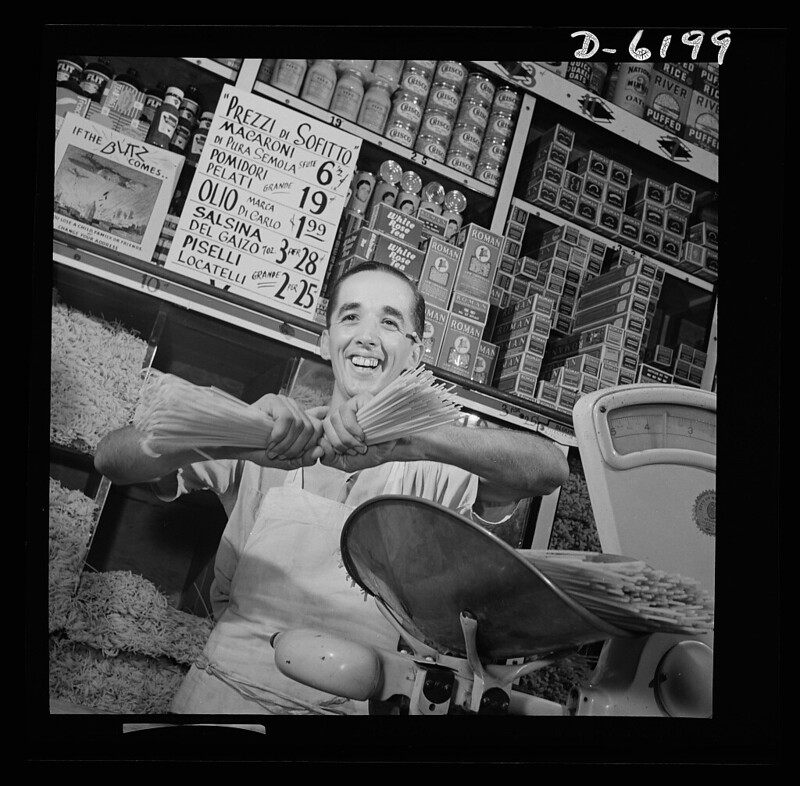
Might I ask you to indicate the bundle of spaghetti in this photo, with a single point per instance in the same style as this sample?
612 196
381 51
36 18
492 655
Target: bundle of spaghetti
411 403
175 411
116 611
72 519
128 683
95 377
627 592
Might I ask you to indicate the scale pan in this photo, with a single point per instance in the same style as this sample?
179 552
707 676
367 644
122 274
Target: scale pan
428 564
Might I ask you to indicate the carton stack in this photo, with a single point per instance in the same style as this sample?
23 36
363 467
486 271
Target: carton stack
700 251
625 296
566 259
521 335
580 363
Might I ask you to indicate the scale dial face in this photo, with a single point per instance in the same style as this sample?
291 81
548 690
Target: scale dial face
637 428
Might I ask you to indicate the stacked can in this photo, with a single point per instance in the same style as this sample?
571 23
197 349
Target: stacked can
497 135
438 120
408 102
471 122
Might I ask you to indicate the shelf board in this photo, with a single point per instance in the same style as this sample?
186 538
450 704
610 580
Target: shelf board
154 280
590 106
392 148
214 67
552 218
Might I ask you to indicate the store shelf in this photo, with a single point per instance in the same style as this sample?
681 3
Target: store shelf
589 106
397 151
552 218
166 285
171 287
214 67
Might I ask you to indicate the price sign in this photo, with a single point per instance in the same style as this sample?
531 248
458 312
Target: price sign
263 207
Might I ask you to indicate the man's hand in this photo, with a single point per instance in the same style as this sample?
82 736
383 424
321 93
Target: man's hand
295 434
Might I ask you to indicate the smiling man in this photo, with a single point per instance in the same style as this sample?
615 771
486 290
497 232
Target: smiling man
278 566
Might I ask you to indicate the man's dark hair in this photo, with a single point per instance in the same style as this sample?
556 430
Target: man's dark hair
418 311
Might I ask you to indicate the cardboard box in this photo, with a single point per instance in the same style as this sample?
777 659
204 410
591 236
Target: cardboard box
433 224
559 133
567 203
475 309
485 363
516 364
675 221
460 345
616 196
542 193
667 102
522 385
650 239
433 333
594 186
637 284
552 151
620 175
587 211
593 163
650 190
572 182
648 373
609 220
704 233
547 392
397 224
439 272
406 258
681 197
648 212
627 312
685 73
480 256
701 127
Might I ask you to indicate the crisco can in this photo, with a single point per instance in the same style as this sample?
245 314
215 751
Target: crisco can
480 87
487 172
500 124
415 80
427 66
408 107
444 97
493 150
466 137
473 112
401 131
453 72
363 183
434 147
461 160
436 123
506 100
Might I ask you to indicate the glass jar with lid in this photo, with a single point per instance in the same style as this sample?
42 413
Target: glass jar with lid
288 75
349 92
376 105
319 83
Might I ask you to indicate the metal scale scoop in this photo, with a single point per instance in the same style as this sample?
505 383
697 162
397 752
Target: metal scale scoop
465 603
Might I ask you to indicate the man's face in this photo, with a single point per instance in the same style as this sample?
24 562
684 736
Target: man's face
367 342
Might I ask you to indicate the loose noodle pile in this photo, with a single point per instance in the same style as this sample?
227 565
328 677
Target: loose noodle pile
118 611
72 518
177 412
129 683
95 377
628 593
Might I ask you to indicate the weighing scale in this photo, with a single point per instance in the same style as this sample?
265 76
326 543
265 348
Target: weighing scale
473 615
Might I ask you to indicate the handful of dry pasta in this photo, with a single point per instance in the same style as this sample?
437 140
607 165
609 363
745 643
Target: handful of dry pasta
177 412
628 592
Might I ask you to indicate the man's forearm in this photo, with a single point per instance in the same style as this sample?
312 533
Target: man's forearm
121 458
513 464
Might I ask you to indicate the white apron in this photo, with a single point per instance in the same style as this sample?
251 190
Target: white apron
289 575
